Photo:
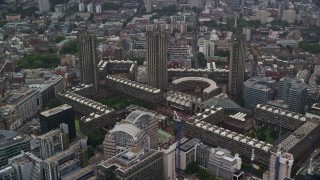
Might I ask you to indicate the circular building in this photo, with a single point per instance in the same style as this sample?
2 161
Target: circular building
198 86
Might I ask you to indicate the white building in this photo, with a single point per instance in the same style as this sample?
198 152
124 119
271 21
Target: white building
98 9
81 7
262 16
207 47
90 8
169 162
283 168
44 5
148 4
289 16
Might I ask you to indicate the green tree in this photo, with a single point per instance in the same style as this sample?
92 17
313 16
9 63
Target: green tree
139 60
52 103
262 136
95 139
203 174
59 39
90 151
110 6
192 168
211 24
274 134
70 47
222 53
202 60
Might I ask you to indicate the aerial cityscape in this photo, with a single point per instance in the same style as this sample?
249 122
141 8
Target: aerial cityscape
160 90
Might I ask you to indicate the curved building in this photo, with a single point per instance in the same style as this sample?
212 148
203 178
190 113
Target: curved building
138 129
204 87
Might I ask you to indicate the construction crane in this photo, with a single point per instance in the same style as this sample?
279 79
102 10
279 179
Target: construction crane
252 152
5 63
277 165
177 119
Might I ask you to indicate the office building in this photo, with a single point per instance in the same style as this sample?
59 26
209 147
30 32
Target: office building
10 119
188 152
157 46
169 161
289 16
258 91
27 166
8 173
134 163
54 141
294 93
236 68
11 144
44 5
138 129
88 58
52 118
62 164
262 16
225 166
148 4
280 166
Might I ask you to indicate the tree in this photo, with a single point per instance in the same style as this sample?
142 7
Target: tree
59 39
70 47
211 24
95 139
261 136
222 53
192 168
202 60
203 174
90 151
52 103
39 61
274 134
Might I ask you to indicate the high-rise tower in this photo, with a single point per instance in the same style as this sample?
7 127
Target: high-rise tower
157 45
88 58
236 68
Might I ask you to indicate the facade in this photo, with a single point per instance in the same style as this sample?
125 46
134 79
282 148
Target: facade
135 163
279 167
237 68
84 173
10 119
60 165
132 88
148 4
216 136
94 114
262 16
188 152
11 144
27 166
54 141
270 116
111 67
88 58
157 46
8 173
44 5
289 16
139 129
217 75
295 93
50 88
258 91
52 118
227 167
169 161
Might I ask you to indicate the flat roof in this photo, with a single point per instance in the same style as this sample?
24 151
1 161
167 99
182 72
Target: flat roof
189 144
55 110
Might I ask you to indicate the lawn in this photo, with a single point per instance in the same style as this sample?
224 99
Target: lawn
77 124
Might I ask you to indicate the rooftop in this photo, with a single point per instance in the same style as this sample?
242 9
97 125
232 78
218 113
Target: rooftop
56 110
189 144
8 138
